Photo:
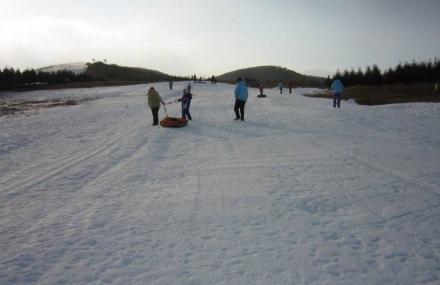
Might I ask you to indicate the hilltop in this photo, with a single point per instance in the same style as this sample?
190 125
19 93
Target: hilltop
101 71
79 75
109 72
270 75
76 68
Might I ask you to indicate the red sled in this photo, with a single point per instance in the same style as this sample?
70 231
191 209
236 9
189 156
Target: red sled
170 122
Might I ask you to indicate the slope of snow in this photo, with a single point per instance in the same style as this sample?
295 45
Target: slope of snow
299 193
77 68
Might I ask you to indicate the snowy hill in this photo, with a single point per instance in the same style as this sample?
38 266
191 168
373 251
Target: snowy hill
299 193
76 68
265 74
105 72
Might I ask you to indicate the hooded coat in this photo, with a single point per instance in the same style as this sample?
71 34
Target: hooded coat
241 91
186 99
154 99
337 86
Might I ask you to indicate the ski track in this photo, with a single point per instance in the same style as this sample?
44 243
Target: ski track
299 193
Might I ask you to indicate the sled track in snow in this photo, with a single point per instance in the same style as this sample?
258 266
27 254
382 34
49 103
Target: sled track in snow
40 175
399 175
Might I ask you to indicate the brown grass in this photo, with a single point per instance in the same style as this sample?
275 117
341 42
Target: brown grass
14 107
388 94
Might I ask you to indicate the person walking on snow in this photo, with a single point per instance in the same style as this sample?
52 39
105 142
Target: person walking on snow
171 84
189 87
281 86
337 88
290 87
241 95
186 103
154 101
261 89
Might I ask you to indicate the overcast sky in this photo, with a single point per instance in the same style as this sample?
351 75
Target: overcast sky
184 37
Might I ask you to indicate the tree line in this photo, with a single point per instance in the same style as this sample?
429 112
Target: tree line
14 79
407 73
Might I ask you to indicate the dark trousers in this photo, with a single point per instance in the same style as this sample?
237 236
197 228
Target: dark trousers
186 114
155 112
337 100
239 106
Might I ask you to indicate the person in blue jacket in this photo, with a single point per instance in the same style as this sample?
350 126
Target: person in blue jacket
241 96
186 103
337 89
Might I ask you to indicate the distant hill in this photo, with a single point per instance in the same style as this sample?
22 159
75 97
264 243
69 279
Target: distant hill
77 68
110 72
270 75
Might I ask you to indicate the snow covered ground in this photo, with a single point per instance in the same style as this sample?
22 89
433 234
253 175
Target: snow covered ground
299 193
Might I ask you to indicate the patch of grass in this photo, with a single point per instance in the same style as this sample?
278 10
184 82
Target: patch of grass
387 94
14 107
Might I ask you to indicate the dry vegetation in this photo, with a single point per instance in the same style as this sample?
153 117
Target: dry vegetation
388 94
18 107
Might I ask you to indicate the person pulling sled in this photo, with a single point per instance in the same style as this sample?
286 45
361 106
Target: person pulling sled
154 101
186 103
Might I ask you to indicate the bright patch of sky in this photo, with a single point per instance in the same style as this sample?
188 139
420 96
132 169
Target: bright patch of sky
212 37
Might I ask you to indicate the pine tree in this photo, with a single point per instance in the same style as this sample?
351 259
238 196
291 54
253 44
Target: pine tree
369 77
376 75
346 78
437 69
328 81
1 80
352 77
360 77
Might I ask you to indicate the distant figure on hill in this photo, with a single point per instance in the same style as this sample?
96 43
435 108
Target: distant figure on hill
213 80
337 89
154 101
261 95
281 86
189 87
241 95
290 87
171 84
186 103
